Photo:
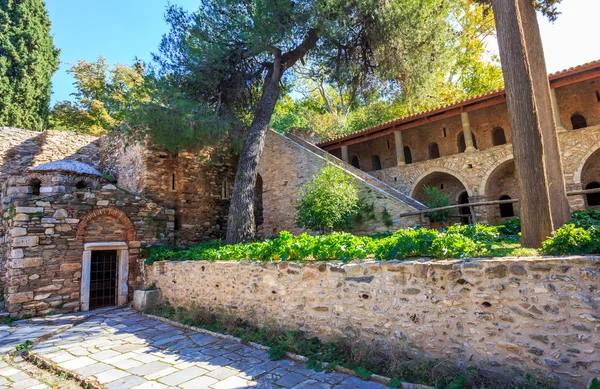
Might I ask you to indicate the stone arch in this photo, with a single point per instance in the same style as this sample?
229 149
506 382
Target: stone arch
447 182
486 177
590 177
112 212
501 184
578 121
584 160
440 169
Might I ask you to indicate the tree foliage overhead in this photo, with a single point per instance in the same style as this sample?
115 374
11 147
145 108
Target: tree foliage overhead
28 59
465 69
233 57
104 96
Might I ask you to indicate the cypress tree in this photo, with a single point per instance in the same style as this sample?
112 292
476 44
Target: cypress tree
28 59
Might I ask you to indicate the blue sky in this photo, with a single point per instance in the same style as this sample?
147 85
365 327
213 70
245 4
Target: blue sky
126 29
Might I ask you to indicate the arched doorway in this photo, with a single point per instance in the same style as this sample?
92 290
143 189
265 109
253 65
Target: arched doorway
578 121
448 185
433 151
258 201
354 162
376 162
590 178
502 185
498 136
407 155
464 212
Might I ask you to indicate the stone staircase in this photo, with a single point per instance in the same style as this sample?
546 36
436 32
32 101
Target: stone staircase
366 177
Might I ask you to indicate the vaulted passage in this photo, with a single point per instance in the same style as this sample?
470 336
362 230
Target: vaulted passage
450 186
590 178
502 185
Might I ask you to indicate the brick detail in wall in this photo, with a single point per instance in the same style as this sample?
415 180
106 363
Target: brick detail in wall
114 212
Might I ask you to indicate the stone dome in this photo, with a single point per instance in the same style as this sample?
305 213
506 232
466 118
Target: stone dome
67 165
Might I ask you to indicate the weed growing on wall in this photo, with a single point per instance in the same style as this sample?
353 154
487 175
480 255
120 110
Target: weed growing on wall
400 361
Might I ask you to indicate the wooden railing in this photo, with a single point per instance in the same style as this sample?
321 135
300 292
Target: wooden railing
472 206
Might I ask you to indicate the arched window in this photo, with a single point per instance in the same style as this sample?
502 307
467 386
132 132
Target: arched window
376 162
258 201
35 186
354 162
506 210
464 212
434 151
462 146
498 136
593 199
407 155
578 121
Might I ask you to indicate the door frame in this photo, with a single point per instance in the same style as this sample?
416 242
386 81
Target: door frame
122 270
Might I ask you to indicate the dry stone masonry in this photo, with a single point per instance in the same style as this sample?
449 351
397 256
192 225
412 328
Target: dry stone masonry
539 314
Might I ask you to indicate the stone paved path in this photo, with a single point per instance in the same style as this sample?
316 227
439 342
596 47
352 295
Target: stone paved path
122 349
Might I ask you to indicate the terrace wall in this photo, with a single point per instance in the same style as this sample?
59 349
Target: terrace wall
504 313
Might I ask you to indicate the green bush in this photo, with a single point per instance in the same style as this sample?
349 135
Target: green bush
436 199
573 240
510 228
329 201
586 218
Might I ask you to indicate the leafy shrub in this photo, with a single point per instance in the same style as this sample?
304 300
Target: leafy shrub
453 245
329 201
573 240
436 199
510 228
586 218
405 244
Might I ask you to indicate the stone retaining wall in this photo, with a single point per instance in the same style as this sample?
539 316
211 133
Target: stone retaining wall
538 313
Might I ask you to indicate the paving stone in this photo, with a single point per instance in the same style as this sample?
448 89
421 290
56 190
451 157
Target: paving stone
312 384
148 368
77 363
291 379
110 375
126 382
199 383
363 384
182 376
232 383
93 369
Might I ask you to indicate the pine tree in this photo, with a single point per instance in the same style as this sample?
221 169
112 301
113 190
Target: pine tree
28 59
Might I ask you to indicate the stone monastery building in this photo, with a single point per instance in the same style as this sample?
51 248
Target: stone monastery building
77 210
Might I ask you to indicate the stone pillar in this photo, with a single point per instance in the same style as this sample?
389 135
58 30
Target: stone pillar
400 157
466 125
122 287
556 111
345 154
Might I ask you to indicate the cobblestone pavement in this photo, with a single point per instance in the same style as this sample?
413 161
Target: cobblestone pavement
120 348
16 375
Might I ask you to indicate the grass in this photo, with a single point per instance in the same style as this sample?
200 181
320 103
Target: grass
399 361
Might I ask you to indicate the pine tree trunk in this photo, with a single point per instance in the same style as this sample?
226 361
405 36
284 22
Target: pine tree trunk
542 195
241 225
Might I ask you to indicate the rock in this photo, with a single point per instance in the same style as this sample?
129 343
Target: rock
60 214
145 299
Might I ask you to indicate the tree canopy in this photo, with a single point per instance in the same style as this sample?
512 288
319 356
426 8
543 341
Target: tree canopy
233 56
104 96
28 59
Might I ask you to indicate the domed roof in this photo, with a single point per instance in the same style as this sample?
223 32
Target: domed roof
67 165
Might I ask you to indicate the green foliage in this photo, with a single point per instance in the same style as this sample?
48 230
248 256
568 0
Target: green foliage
329 201
28 59
386 217
510 228
24 346
595 384
456 242
104 96
363 373
436 199
586 218
573 240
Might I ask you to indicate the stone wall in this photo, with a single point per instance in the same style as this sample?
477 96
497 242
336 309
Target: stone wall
194 185
536 313
46 234
22 149
286 166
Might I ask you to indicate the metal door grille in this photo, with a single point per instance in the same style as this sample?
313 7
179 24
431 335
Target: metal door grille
103 278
